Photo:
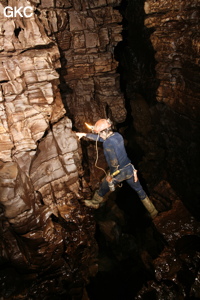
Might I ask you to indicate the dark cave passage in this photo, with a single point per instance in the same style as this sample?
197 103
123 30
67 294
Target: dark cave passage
126 264
128 242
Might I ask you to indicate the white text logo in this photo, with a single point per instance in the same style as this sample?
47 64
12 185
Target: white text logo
21 11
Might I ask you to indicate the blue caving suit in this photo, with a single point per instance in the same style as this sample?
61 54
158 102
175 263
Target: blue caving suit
117 159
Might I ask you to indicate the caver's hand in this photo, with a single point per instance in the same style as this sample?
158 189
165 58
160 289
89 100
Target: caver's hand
135 175
80 134
108 178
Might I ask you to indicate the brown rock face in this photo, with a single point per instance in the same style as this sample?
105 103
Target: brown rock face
43 238
176 42
161 79
29 80
43 223
57 71
90 85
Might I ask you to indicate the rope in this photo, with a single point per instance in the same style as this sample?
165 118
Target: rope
98 156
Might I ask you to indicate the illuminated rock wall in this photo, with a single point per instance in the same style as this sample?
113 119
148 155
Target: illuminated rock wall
43 222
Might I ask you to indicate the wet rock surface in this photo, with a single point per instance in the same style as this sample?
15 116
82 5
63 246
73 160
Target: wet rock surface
42 240
177 266
47 236
58 70
175 41
87 33
166 137
144 259
153 72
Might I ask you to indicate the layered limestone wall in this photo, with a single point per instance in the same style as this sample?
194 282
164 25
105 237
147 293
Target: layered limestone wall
162 85
58 70
176 42
177 45
161 80
64 46
87 48
29 80
87 33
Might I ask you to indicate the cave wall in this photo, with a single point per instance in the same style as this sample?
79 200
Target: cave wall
176 42
57 67
86 33
159 68
58 70
160 78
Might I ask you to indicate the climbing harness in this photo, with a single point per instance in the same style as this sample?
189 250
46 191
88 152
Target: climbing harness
119 170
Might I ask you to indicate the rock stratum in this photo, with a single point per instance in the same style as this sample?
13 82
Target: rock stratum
64 46
58 70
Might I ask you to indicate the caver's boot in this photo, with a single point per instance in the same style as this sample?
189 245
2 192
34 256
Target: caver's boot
94 202
150 207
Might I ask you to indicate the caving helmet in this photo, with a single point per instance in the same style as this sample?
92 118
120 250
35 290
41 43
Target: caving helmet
101 125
